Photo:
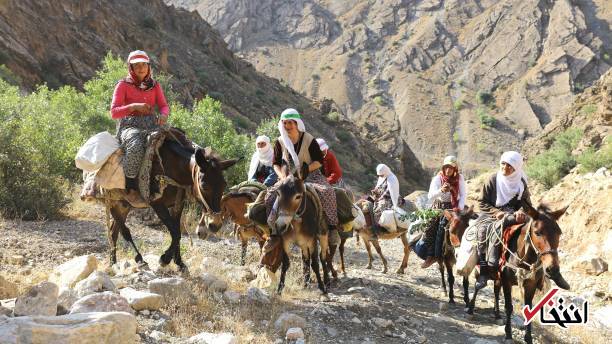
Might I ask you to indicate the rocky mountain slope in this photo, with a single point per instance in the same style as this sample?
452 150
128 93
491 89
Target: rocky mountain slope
66 46
429 76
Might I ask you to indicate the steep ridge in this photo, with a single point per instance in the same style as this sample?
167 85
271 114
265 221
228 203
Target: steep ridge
409 73
64 43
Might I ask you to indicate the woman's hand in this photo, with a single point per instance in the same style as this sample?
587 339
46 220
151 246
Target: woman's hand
163 119
499 215
445 188
520 217
141 108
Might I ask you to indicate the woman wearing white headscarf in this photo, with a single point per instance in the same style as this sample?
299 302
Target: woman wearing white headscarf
385 195
261 168
502 197
294 147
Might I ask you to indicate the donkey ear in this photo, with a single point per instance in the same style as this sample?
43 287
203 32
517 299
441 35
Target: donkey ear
529 209
558 213
303 171
225 164
200 157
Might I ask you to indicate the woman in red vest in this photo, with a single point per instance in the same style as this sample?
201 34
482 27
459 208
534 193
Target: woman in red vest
331 167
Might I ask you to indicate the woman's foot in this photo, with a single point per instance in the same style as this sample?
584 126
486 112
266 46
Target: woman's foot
428 262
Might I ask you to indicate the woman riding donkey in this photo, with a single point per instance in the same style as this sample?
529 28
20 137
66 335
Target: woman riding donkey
448 191
331 168
261 168
385 195
133 104
294 147
502 198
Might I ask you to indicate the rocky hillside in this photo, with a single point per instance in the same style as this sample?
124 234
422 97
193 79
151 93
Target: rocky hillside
435 77
67 44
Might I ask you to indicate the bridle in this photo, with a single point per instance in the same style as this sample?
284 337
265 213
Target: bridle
198 192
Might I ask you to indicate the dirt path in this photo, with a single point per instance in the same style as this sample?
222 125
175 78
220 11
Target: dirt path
366 306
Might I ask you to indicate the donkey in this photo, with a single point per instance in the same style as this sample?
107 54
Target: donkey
234 208
201 172
532 255
301 216
366 234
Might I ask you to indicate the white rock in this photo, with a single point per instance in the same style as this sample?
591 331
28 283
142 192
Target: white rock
152 261
265 279
157 335
213 284
294 333
140 300
602 317
119 283
101 302
65 299
145 312
239 274
591 264
332 332
255 294
103 328
300 341
74 270
5 311
8 289
380 322
173 289
96 282
211 264
41 299
124 267
356 320
287 320
212 338
231 296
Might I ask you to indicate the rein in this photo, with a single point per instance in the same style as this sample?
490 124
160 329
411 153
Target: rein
198 193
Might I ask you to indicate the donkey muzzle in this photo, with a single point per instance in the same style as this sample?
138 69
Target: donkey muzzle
554 274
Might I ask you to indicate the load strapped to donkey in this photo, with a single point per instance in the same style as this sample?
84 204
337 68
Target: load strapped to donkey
173 169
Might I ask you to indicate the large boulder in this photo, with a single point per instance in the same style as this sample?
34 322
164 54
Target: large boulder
66 298
82 328
96 282
140 300
8 289
41 299
591 264
101 302
213 284
173 289
74 270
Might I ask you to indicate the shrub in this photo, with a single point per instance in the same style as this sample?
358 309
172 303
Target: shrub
484 98
486 121
588 109
455 137
458 104
592 160
378 100
343 135
8 76
149 23
550 166
268 127
333 116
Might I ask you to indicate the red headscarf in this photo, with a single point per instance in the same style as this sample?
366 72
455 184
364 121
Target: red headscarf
146 83
453 181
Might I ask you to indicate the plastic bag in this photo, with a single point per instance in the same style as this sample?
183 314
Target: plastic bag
387 220
94 153
359 222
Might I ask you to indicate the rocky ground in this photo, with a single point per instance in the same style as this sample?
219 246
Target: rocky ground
216 297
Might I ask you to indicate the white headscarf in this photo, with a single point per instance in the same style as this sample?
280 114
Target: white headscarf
291 114
261 155
392 183
509 186
322 144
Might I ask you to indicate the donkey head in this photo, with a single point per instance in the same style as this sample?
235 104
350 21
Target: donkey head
290 196
458 222
544 233
211 184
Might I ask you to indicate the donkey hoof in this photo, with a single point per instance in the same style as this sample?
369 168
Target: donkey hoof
369 267
164 260
451 301
384 271
400 272
183 269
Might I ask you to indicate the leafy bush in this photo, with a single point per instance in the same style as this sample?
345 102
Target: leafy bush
486 120
458 104
333 116
592 160
268 127
378 100
550 166
455 137
588 109
484 98
343 135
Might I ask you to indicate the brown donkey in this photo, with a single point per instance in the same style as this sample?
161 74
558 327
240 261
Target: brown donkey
366 234
532 254
201 172
300 215
234 208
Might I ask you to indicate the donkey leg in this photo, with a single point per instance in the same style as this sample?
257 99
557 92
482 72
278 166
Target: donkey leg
341 249
314 263
402 267
466 291
330 261
119 212
378 249
127 235
472 303
284 267
306 267
369 249
451 280
113 233
441 268
529 289
496 288
323 242
173 251
508 306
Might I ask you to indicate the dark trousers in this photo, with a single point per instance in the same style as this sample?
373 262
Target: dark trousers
434 237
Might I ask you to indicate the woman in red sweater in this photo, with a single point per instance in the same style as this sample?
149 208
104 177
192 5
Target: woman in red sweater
331 167
133 104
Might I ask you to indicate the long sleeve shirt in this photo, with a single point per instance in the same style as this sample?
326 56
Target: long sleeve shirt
436 193
488 196
126 94
331 168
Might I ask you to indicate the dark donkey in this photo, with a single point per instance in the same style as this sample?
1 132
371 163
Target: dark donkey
301 217
532 254
201 173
